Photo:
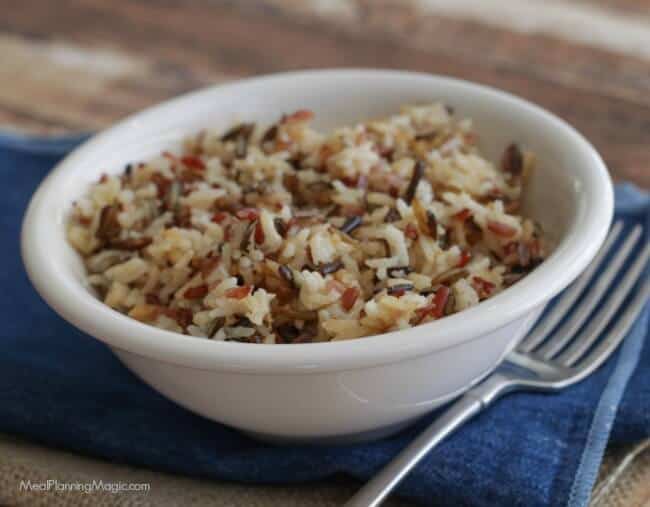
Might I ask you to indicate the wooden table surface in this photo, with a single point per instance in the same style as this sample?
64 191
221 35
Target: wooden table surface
79 65
74 65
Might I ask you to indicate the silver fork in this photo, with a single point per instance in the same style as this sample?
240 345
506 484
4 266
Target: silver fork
543 361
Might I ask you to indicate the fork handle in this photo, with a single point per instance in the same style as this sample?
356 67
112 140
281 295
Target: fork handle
376 490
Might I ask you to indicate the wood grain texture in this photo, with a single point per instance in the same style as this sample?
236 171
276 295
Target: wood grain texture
82 64
627 6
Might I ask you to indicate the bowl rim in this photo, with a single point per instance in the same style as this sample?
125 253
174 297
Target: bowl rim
74 303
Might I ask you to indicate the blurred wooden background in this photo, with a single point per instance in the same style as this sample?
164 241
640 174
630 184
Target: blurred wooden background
74 65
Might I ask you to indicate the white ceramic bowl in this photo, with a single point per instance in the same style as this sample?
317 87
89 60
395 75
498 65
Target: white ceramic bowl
344 390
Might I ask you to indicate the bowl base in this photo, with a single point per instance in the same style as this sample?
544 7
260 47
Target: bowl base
350 438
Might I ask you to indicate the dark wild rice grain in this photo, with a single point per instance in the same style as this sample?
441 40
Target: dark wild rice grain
248 233
512 161
296 161
430 290
426 136
287 332
444 240
330 267
243 321
473 233
255 338
183 216
280 227
152 299
217 324
392 215
270 134
130 244
418 172
286 273
241 130
399 288
351 224
432 224
398 271
109 226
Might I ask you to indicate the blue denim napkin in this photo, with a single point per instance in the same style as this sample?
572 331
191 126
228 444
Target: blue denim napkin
63 388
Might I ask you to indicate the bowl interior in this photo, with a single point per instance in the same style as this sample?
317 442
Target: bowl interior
551 196
569 180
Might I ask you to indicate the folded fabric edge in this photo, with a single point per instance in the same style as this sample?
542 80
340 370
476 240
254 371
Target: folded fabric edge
605 413
630 198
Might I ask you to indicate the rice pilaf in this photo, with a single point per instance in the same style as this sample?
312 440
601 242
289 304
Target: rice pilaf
282 234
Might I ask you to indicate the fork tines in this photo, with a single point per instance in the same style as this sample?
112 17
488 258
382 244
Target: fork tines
571 334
